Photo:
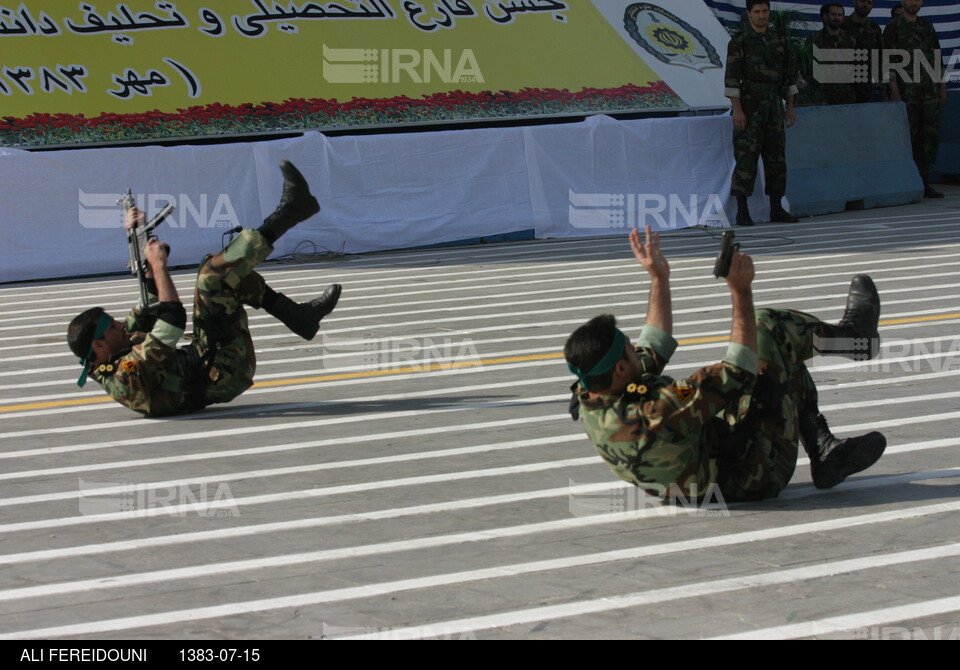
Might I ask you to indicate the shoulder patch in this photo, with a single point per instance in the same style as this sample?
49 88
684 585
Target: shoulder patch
684 391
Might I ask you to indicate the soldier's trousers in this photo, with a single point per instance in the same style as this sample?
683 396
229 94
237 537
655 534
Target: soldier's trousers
225 283
760 139
924 116
770 425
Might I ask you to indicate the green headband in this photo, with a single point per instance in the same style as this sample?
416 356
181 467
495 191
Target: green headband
102 325
607 362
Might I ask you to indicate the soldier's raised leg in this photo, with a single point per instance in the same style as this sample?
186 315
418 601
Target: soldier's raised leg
221 331
301 318
794 337
783 405
296 205
227 281
856 336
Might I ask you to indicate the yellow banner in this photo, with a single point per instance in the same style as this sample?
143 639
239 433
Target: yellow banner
115 72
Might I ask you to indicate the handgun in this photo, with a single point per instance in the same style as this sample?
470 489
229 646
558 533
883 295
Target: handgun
137 238
727 249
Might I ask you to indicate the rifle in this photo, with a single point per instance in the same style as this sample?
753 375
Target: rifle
137 238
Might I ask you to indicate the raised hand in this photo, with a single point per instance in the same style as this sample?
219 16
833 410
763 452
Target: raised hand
648 254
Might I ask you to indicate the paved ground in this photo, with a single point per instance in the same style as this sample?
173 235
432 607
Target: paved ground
413 473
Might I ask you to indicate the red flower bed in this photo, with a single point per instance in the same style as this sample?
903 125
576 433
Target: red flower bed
300 114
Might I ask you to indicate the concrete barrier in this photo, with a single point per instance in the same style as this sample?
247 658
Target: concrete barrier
948 160
850 156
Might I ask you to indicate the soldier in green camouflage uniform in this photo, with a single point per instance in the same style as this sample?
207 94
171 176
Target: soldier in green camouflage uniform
922 94
137 362
760 75
734 425
867 35
833 36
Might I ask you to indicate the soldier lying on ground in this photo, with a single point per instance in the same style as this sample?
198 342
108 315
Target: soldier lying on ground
734 425
137 362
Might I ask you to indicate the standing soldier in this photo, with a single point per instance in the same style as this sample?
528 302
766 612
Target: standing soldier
833 36
916 39
867 34
760 75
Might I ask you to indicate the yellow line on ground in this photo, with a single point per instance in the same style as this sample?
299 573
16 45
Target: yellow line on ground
411 369
56 403
920 319
433 367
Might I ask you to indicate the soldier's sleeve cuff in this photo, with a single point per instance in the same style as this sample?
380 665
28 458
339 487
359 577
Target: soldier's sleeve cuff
167 333
731 92
742 357
137 321
659 340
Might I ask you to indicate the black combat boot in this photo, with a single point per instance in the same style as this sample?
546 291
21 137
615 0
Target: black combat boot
296 204
743 212
832 460
778 214
929 192
856 336
302 318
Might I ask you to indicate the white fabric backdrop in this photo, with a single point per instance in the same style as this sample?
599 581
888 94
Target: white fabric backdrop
58 217
666 173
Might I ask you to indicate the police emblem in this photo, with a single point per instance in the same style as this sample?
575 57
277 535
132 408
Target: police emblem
684 391
670 39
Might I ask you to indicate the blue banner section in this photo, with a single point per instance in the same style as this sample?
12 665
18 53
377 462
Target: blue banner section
944 14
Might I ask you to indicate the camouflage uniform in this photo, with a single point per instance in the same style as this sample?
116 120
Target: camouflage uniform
834 94
724 426
922 97
761 73
156 379
869 36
